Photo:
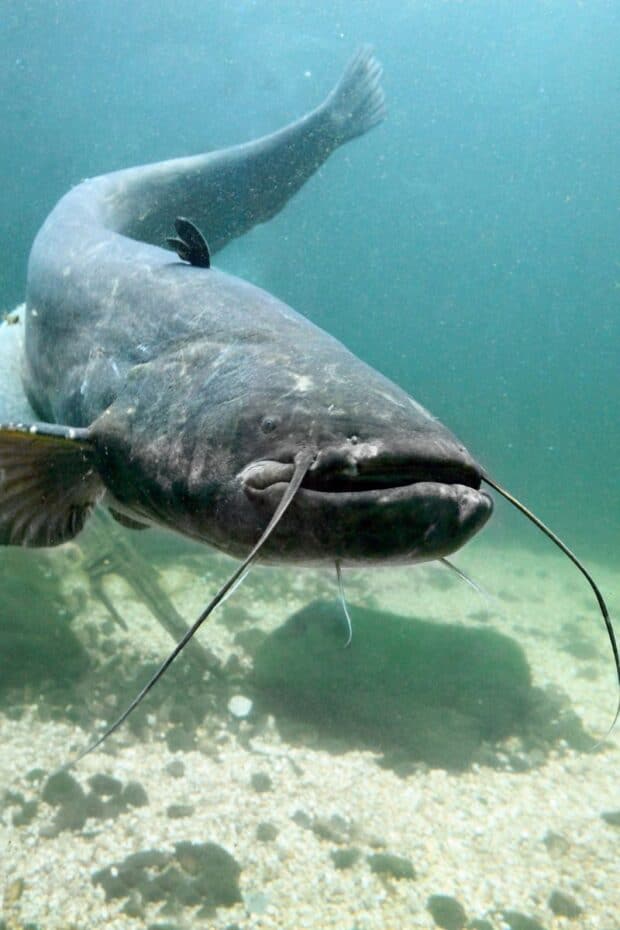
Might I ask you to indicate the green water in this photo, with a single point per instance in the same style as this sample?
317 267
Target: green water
468 248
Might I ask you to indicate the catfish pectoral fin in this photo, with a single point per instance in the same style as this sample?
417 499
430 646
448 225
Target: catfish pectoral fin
48 483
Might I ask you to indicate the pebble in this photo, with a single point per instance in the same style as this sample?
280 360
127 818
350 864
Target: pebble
557 845
389 864
447 912
175 768
36 774
25 814
261 782
564 905
62 788
335 828
266 832
176 811
518 921
105 785
134 794
240 706
302 819
345 858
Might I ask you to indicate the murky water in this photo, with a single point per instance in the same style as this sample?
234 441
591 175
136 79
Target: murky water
442 769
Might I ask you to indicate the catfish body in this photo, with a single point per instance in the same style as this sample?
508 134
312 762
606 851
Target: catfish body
181 396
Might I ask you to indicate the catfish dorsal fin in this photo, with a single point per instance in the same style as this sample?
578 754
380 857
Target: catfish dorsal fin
190 244
48 483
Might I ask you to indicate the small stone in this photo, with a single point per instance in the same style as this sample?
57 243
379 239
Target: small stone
335 829
134 794
13 892
266 832
345 858
261 782
302 819
518 921
479 924
175 768
26 814
612 818
62 788
447 912
389 864
105 785
240 706
564 905
557 845
35 774
176 811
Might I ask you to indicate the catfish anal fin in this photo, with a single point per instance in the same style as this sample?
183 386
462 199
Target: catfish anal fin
190 244
48 483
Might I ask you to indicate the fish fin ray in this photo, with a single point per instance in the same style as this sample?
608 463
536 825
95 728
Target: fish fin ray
48 483
357 102
189 243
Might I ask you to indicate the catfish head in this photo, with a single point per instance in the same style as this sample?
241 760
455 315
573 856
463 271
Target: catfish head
211 453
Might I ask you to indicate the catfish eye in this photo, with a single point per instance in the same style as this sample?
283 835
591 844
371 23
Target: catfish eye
269 424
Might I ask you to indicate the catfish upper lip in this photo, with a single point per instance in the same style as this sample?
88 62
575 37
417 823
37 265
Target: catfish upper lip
358 476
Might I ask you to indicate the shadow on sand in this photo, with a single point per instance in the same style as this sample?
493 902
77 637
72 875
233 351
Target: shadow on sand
418 692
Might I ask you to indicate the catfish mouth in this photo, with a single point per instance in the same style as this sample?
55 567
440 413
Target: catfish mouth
373 505
336 474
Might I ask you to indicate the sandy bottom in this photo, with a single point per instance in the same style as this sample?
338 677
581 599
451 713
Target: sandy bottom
515 838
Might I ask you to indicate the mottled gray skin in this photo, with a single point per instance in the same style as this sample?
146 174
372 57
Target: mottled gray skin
199 389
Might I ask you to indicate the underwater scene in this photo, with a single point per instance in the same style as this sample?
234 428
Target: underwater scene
319 381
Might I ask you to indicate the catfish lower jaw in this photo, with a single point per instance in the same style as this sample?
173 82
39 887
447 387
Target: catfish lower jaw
405 523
